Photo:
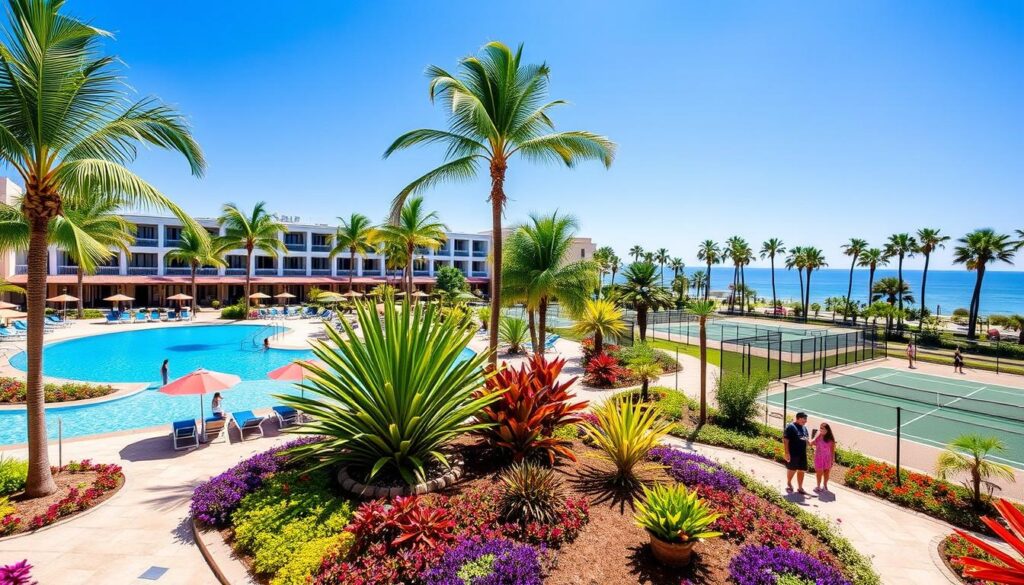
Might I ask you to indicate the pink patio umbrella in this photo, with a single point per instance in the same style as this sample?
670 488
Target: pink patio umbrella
293 372
200 382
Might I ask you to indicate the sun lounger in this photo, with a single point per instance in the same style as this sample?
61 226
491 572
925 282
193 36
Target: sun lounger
8 334
154 315
274 314
57 321
286 415
126 317
112 318
309 313
184 435
141 317
213 428
22 325
186 315
172 316
245 420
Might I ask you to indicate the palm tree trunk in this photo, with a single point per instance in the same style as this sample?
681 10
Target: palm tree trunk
81 293
408 270
703 371
40 480
542 324
707 283
807 303
800 274
871 283
972 319
598 342
498 168
194 301
775 300
899 290
612 283
849 287
641 321
351 266
924 282
743 288
531 319
248 278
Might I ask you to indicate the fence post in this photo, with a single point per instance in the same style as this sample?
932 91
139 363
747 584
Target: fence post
785 402
999 350
60 442
677 368
899 413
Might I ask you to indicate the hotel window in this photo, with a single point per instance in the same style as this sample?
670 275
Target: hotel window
583 253
145 232
371 265
294 262
172 233
320 263
264 262
344 263
143 261
236 261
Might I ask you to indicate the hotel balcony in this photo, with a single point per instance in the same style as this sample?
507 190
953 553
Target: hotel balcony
482 273
294 272
264 272
320 272
108 270
142 270
67 270
171 243
320 248
421 273
480 253
296 246
147 242
461 253
234 272
21 269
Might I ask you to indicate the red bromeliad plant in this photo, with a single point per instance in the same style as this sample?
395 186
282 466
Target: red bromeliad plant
604 370
1012 570
533 402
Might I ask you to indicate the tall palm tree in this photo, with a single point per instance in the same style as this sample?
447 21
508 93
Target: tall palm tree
731 251
710 253
642 292
496 109
813 260
889 289
871 259
971 454
602 257
661 256
196 250
976 251
854 248
537 268
355 235
770 249
614 265
677 265
901 246
600 319
256 230
414 228
928 240
796 259
698 280
703 310
636 252
69 126
744 255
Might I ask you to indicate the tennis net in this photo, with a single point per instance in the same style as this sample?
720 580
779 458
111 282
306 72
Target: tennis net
934 398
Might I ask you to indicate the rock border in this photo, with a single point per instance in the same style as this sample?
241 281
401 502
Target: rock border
372 492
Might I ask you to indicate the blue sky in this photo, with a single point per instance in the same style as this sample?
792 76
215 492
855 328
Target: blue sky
812 122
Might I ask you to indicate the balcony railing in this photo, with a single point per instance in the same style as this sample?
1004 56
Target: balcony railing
108 270
461 253
320 272
294 272
234 272
147 242
207 271
481 253
443 252
321 247
346 272
21 269
142 270
296 246
480 273
265 272
67 270
169 243
177 271
421 273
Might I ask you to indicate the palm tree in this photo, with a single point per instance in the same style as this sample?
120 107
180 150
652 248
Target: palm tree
414 228
770 249
871 259
813 260
495 109
854 248
710 254
196 250
971 454
797 260
602 257
355 235
600 319
636 252
662 257
731 251
614 265
901 246
69 126
928 240
537 269
889 289
677 266
641 290
703 310
976 251
257 230
744 255
698 280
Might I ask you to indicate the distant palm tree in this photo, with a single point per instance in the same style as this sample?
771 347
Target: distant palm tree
871 259
698 280
636 252
642 292
710 253
797 260
196 250
661 256
770 249
928 240
731 251
976 251
600 319
355 235
603 257
972 454
889 289
256 230
813 260
614 265
648 257
703 310
900 246
414 227
538 269
745 255
677 265
496 108
854 248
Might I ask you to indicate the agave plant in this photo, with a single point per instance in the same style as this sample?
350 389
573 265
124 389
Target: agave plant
513 331
389 402
529 403
530 493
624 433
1012 570
675 514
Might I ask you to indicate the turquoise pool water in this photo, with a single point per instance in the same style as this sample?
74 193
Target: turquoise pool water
135 356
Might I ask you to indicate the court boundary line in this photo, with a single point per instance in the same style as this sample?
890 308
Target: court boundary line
939 379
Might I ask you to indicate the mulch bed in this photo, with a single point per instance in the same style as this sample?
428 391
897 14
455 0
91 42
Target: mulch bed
26 508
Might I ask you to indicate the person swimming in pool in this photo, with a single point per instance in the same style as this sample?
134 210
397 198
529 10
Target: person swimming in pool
164 371
266 343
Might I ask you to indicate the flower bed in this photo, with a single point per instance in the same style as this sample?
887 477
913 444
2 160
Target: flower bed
611 367
80 485
955 546
13 391
763 565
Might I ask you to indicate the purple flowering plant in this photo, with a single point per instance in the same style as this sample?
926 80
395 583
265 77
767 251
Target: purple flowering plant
19 573
763 565
695 470
487 561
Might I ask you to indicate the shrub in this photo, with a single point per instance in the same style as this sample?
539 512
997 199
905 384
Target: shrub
481 561
674 514
625 433
390 398
603 371
235 311
308 556
513 332
763 565
737 397
13 473
531 493
13 390
955 547
214 304
483 315
529 404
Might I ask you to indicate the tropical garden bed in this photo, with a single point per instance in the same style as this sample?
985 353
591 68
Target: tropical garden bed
617 366
13 391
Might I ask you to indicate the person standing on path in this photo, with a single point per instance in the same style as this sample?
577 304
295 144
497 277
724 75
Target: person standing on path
958 361
794 445
164 371
824 454
911 354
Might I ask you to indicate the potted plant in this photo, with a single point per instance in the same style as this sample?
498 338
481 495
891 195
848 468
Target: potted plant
676 519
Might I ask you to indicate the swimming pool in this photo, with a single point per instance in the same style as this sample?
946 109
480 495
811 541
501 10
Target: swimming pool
135 356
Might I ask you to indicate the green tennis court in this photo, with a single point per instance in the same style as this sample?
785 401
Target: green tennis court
935 409
726 330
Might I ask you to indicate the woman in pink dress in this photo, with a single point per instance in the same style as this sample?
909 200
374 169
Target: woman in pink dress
824 454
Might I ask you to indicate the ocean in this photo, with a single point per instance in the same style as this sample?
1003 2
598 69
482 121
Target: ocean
1002 292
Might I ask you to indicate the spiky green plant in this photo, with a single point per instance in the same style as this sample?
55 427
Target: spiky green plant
625 433
513 332
530 493
675 514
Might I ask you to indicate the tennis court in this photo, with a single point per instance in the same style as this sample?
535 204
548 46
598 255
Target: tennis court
935 409
730 329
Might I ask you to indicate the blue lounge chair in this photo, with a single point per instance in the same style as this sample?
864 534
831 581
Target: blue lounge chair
56 321
112 318
8 334
154 315
172 316
213 427
141 317
126 317
185 315
184 435
245 420
21 325
309 313
286 415
273 313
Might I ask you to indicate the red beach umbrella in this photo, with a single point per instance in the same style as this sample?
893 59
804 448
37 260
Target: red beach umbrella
293 371
200 382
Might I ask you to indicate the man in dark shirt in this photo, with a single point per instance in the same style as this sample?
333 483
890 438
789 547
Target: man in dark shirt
794 444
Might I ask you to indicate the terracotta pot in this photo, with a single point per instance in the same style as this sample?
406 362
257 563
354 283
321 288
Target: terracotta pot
673 554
